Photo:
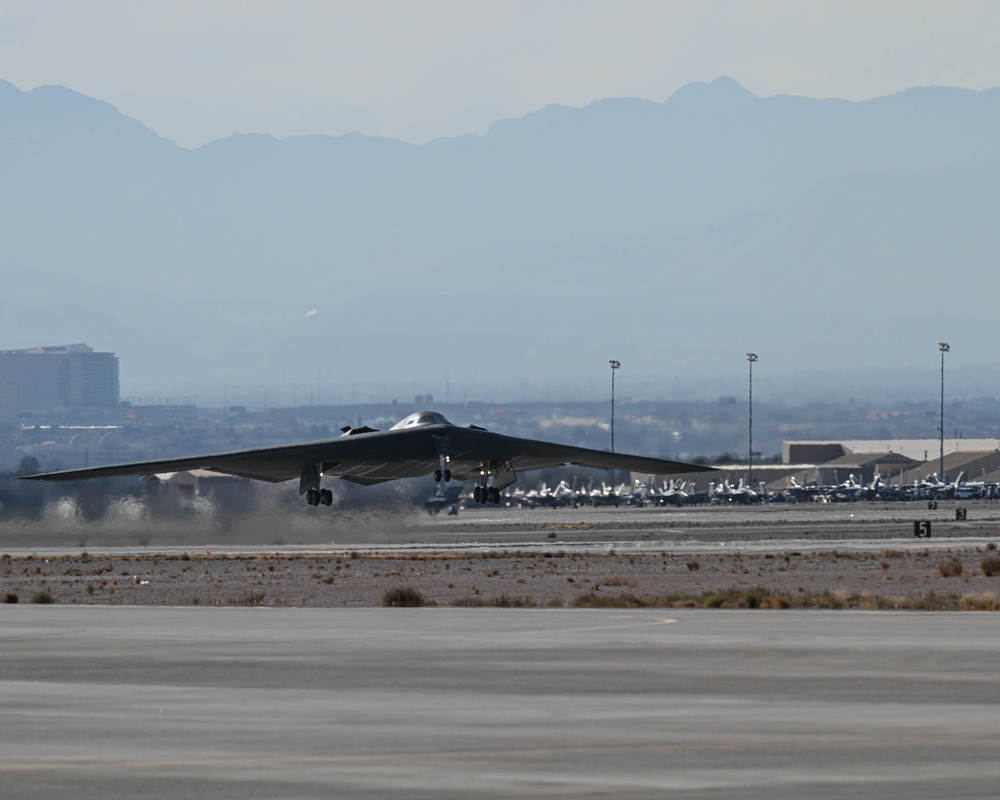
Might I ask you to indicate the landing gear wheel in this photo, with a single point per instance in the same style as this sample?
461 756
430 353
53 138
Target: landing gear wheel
494 496
312 497
447 475
437 476
476 493
326 497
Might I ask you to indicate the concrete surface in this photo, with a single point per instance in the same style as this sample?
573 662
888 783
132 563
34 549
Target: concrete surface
101 702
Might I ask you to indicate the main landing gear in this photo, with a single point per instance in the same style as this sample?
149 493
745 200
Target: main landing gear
319 497
486 494
494 477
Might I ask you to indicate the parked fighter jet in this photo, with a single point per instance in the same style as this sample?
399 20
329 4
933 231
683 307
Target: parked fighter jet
444 498
423 443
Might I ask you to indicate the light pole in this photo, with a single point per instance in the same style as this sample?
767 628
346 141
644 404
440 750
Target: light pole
751 357
614 365
944 347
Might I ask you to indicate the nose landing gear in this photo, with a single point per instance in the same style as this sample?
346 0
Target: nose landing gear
442 446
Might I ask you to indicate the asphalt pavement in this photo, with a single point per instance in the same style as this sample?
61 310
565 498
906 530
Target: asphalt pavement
105 702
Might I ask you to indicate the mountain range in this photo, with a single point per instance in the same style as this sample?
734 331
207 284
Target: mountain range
839 240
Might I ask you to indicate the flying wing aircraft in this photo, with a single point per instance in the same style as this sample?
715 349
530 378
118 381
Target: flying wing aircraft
423 443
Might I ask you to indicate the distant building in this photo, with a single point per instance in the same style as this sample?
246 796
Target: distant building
66 376
864 467
10 408
821 452
895 461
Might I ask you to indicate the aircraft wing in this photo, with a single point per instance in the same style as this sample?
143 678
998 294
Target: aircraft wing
379 456
371 457
473 447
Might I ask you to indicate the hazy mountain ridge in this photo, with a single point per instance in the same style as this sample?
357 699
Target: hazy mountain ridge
754 213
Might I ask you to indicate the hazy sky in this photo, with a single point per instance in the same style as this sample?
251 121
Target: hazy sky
197 70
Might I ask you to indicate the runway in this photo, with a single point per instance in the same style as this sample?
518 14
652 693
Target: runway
104 702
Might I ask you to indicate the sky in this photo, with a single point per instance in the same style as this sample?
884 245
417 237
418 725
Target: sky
195 71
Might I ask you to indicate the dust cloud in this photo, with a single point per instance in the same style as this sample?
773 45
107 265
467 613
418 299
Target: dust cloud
267 516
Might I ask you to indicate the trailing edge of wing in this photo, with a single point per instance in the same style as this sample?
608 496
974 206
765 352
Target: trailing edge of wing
363 481
530 454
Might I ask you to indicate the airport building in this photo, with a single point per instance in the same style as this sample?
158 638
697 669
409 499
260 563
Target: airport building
65 376
821 452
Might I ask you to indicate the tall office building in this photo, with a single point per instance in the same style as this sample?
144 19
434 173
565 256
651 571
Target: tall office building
66 376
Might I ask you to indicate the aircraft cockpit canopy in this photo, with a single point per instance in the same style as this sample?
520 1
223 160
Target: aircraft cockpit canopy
421 418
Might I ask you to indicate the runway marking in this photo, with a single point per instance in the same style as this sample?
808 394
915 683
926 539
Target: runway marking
795 741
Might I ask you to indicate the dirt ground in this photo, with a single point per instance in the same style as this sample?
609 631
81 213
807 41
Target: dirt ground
765 556
555 578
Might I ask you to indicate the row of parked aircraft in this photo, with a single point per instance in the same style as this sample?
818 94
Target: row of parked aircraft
676 492
932 487
566 495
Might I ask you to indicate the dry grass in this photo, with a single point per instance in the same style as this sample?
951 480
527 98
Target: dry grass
626 600
988 601
503 601
763 598
249 599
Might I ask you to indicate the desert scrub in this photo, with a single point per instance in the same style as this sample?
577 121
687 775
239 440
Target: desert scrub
952 568
403 597
991 566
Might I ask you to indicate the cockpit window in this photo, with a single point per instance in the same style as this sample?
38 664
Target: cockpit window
421 418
